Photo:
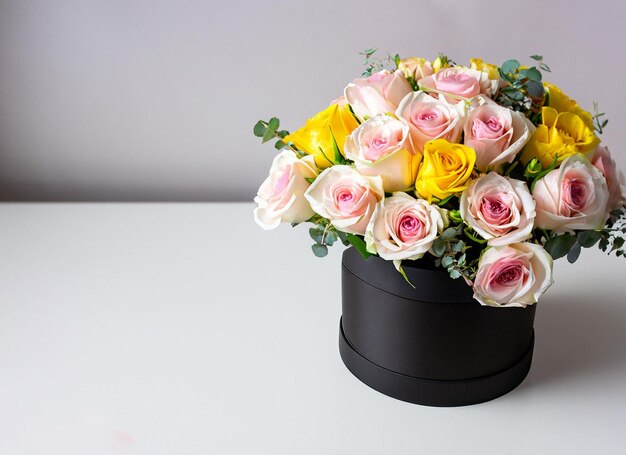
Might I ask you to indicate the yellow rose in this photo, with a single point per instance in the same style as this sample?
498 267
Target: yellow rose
559 135
446 169
480 65
314 138
563 103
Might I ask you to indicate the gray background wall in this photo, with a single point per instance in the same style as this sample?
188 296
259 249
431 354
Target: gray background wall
155 100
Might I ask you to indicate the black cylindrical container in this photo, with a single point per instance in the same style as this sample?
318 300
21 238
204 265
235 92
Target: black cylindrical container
434 345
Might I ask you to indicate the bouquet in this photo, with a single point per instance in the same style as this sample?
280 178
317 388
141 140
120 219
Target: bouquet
487 171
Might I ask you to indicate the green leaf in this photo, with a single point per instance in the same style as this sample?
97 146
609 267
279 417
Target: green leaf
439 246
515 95
259 128
406 278
560 245
268 135
537 57
330 238
338 157
447 261
359 244
545 67
319 250
273 124
532 74
449 233
587 239
535 89
618 242
316 233
309 179
343 237
280 145
454 274
458 246
573 253
510 66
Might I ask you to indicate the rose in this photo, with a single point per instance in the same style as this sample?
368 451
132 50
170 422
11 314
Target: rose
379 93
490 69
574 196
345 197
500 209
601 159
496 133
382 146
403 227
563 103
513 275
560 134
445 169
281 196
315 137
459 83
431 118
415 68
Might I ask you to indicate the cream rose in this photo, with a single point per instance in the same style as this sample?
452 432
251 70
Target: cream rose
415 68
381 92
496 133
281 196
573 196
382 146
602 160
459 83
345 197
431 118
500 209
403 227
513 275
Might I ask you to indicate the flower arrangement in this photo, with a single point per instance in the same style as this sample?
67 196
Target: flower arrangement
487 171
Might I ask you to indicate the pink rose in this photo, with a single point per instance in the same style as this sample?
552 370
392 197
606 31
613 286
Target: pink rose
345 197
403 227
574 196
459 83
499 209
496 133
513 275
382 146
379 93
431 118
281 196
601 159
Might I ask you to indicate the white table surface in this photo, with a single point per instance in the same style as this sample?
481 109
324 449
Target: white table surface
186 329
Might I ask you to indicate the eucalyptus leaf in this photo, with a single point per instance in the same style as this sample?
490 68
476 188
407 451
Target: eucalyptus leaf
535 89
447 261
532 74
273 124
259 128
439 246
510 66
319 250
454 274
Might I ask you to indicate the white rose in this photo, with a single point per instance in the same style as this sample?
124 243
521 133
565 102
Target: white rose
345 197
403 227
513 275
496 133
382 146
573 196
281 196
500 209
431 118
